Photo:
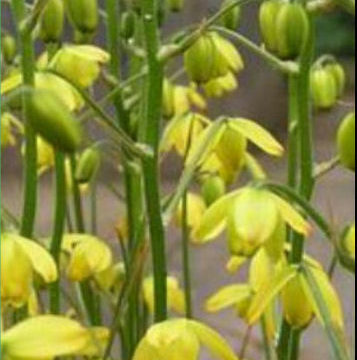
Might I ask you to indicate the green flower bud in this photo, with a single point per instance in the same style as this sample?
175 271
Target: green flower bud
83 14
8 48
199 59
175 5
292 28
127 24
346 142
231 19
323 88
347 249
51 119
338 73
88 165
51 21
268 13
212 189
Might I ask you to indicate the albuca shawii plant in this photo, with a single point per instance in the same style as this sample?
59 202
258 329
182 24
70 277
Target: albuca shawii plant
70 294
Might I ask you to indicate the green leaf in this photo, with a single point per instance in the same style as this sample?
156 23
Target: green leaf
334 331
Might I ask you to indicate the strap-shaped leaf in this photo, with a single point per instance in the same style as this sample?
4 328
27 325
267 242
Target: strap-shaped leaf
326 314
268 292
257 135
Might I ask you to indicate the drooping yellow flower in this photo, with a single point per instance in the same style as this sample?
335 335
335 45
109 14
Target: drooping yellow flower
9 126
88 256
49 82
21 259
79 63
48 336
175 295
181 339
299 304
239 296
226 151
254 218
196 207
182 131
179 100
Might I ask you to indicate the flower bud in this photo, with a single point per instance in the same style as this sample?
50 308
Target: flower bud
88 165
127 25
8 48
199 59
83 14
292 28
347 249
175 5
346 142
268 13
323 88
349 242
212 189
338 73
52 120
231 19
297 307
51 21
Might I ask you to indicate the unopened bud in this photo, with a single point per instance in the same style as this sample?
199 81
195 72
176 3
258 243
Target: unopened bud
51 21
346 141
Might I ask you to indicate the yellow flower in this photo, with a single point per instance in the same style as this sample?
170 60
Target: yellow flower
195 210
88 256
181 339
79 63
49 82
299 304
181 131
239 296
45 337
179 100
226 152
175 295
21 259
254 218
9 126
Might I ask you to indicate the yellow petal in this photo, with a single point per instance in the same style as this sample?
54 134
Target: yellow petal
228 296
258 135
44 337
11 83
268 292
261 270
291 216
175 296
330 297
41 260
96 343
216 345
214 219
254 167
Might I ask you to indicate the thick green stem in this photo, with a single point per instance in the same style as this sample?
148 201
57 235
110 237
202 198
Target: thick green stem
149 133
30 158
306 165
58 227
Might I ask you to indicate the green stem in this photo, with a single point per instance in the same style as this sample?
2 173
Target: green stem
30 158
149 132
306 158
93 201
58 229
77 201
288 67
186 258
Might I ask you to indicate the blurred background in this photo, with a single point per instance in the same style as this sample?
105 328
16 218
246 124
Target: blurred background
262 97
